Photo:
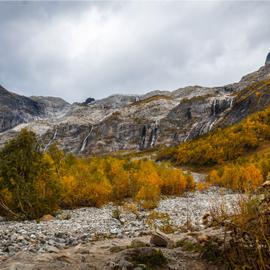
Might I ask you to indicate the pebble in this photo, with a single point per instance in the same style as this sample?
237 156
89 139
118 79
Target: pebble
89 224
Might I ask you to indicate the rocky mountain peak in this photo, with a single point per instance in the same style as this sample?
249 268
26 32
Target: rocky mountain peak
133 122
267 62
89 100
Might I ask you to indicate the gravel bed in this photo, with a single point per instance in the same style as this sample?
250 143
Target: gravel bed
89 224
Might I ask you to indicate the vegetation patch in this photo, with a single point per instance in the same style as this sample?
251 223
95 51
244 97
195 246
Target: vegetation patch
150 99
151 259
188 245
34 183
246 237
223 144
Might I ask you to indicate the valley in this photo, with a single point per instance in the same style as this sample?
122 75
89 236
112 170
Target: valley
94 184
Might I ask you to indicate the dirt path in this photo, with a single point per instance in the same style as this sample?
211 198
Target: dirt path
101 255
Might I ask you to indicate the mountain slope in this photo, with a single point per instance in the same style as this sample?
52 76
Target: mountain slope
16 109
225 144
126 122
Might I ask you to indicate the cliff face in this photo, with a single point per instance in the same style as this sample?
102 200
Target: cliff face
16 109
123 122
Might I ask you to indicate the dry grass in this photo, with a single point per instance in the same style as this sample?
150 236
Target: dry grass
150 99
246 232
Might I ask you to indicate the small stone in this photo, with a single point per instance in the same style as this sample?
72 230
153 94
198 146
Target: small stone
51 242
17 266
2 219
81 250
123 264
203 238
65 257
206 219
64 216
44 257
52 249
13 237
115 231
20 238
266 184
137 243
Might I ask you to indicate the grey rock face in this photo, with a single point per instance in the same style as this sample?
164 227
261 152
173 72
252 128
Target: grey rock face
16 109
126 122
267 62
53 106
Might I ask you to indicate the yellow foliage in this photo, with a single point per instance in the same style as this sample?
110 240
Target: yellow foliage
202 186
173 181
6 196
224 144
237 177
131 207
96 181
213 178
148 196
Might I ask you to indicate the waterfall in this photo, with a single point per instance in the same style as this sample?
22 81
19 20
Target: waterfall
143 137
192 128
154 134
231 102
211 125
85 140
206 127
51 140
214 104
219 107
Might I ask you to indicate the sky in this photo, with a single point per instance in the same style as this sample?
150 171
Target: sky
77 50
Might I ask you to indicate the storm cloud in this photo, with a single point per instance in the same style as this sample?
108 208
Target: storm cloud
77 50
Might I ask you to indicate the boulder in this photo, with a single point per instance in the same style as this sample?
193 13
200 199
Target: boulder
47 218
160 239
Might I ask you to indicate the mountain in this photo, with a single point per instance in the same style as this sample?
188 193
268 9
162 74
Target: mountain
16 109
129 122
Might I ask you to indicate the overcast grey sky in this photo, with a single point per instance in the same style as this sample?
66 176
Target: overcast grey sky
95 49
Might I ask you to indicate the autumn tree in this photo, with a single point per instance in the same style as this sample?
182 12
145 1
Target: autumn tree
28 186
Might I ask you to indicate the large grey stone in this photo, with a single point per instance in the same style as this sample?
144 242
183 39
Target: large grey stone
160 239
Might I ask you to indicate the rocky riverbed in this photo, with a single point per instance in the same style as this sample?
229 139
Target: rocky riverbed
73 227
